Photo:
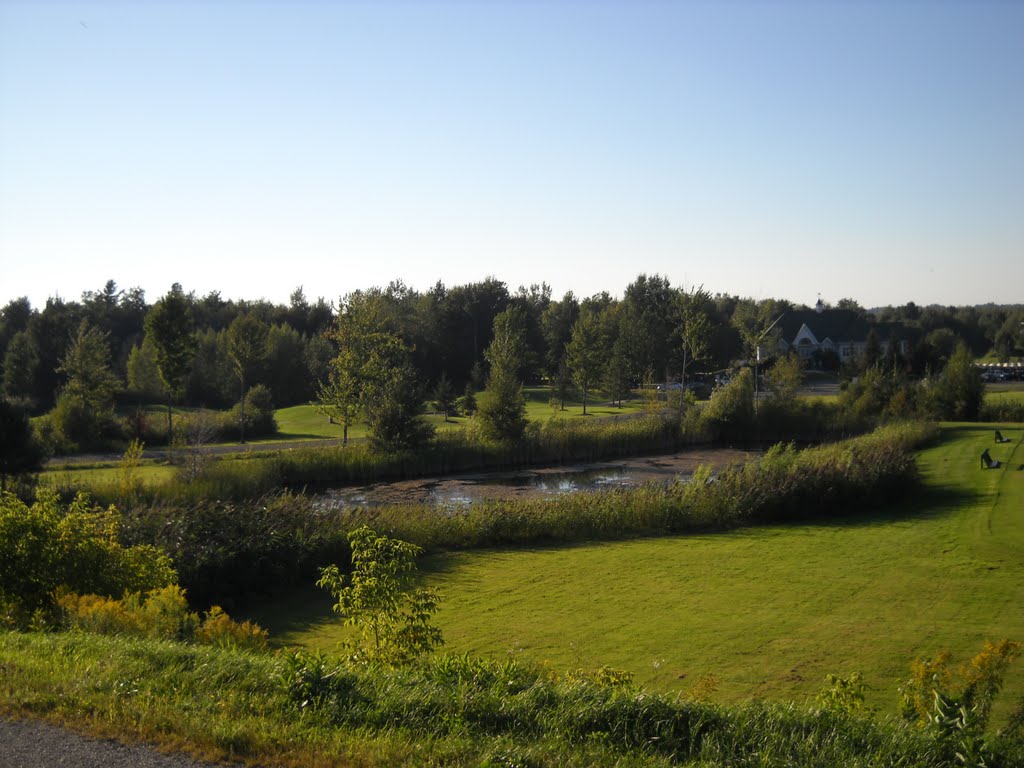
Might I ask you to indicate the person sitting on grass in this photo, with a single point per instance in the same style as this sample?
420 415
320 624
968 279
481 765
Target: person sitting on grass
1000 438
987 462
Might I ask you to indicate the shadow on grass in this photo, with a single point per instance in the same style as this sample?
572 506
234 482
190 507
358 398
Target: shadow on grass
300 610
925 503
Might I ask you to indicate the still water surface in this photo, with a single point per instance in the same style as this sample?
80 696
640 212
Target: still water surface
459 491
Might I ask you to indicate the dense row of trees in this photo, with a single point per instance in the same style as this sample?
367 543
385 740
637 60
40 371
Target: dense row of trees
381 351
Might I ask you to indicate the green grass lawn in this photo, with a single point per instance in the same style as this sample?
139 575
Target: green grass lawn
1005 395
104 474
770 610
302 422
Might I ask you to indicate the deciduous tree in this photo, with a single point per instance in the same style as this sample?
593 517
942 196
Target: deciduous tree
247 346
372 375
393 620
585 354
694 327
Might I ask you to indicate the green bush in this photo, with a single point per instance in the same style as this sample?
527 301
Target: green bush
225 551
47 546
729 414
160 614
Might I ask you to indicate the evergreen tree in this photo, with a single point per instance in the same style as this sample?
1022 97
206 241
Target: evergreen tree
20 364
501 410
20 452
85 408
170 326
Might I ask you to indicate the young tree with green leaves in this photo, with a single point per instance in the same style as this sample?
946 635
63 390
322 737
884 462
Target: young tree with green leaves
501 409
444 396
561 384
957 393
372 375
586 354
170 326
143 375
694 327
247 346
757 325
378 598
784 380
616 373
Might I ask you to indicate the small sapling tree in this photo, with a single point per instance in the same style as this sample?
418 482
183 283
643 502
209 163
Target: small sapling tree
444 396
392 617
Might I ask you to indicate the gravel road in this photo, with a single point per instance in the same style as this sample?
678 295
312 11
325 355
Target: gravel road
35 744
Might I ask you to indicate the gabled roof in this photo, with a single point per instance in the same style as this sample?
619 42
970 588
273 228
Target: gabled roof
838 325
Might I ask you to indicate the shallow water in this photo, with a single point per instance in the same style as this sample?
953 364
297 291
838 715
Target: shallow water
460 491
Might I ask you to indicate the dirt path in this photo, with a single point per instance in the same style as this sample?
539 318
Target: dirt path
35 744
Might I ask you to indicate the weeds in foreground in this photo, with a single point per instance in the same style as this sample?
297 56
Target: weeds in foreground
455 710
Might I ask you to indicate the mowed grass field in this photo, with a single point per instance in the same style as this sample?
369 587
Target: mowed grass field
304 422
768 611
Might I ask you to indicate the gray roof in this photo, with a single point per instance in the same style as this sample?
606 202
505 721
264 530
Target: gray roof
841 325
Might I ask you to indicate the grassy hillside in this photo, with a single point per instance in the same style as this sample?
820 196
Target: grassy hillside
768 611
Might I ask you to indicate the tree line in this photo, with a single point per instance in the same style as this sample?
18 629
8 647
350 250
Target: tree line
81 358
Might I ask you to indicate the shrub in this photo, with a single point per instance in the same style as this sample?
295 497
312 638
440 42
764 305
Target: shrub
958 391
220 629
729 414
259 416
47 546
377 597
225 551
160 614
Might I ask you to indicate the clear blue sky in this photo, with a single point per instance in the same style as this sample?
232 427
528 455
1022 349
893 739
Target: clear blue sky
872 150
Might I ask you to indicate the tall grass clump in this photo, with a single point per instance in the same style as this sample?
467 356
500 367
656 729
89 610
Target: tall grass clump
1001 411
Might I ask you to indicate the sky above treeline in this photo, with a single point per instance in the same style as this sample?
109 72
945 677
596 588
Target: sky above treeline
871 150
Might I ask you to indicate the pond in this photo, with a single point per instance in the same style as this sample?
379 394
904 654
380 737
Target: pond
459 491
